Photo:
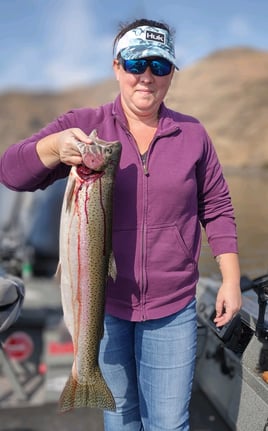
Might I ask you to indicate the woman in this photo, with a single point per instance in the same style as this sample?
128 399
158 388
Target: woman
169 181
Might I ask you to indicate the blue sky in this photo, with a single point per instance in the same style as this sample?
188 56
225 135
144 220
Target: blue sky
54 44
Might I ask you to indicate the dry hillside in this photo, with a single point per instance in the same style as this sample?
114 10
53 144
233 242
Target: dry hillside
227 91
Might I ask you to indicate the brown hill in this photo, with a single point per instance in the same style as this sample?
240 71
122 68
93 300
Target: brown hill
227 91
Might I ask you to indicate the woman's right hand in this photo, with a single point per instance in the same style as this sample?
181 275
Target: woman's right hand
62 147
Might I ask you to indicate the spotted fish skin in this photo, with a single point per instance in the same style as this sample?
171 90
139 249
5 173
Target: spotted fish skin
85 259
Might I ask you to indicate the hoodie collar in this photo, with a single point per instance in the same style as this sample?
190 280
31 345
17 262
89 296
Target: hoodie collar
166 125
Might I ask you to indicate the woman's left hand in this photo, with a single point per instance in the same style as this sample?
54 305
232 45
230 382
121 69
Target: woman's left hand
229 298
228 303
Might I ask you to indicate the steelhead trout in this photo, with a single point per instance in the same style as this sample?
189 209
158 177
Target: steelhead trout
86 260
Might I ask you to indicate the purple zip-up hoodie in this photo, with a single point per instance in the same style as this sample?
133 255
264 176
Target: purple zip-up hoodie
158 207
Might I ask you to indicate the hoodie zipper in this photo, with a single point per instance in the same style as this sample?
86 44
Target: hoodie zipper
144 216
143 238
143 275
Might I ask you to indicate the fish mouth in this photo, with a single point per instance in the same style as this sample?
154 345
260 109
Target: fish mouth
85 173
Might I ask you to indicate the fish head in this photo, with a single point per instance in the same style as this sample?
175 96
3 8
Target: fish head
100 155
112 153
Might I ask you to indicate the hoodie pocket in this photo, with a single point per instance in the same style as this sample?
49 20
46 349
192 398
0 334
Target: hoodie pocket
167 251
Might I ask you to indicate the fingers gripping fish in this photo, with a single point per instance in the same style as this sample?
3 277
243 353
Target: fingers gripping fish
86 261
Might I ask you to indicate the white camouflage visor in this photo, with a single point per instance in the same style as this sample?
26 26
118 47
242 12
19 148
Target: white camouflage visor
145 41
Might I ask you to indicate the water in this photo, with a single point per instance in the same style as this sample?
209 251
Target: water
249 191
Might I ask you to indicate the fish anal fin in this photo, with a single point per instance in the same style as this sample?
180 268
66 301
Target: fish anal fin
112 271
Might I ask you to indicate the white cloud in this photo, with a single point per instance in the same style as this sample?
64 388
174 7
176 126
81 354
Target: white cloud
22 66
63 75
239 27
77 47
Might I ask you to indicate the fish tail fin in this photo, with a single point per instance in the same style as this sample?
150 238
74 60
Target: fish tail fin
93 393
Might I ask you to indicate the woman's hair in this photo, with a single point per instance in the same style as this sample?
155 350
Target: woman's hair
125 27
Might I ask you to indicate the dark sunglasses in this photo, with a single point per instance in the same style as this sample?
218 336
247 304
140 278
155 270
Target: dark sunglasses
158 66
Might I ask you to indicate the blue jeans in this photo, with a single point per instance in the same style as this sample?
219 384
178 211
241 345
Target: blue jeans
149 368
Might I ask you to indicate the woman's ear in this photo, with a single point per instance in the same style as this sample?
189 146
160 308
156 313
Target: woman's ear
116 67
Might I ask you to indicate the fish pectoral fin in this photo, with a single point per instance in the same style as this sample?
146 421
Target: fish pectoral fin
112 270
70 194
57 274
94 393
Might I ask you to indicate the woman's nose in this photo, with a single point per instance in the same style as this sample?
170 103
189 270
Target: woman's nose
147 74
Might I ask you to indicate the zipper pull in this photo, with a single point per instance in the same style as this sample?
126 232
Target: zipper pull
146 172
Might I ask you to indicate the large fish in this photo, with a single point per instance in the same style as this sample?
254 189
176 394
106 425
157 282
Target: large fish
86 260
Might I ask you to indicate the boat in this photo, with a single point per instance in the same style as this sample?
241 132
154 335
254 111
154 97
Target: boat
232 363
36 352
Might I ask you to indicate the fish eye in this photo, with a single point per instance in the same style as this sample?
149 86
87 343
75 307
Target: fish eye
109 150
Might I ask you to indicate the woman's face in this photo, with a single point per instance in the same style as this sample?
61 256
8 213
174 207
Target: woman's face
141 94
